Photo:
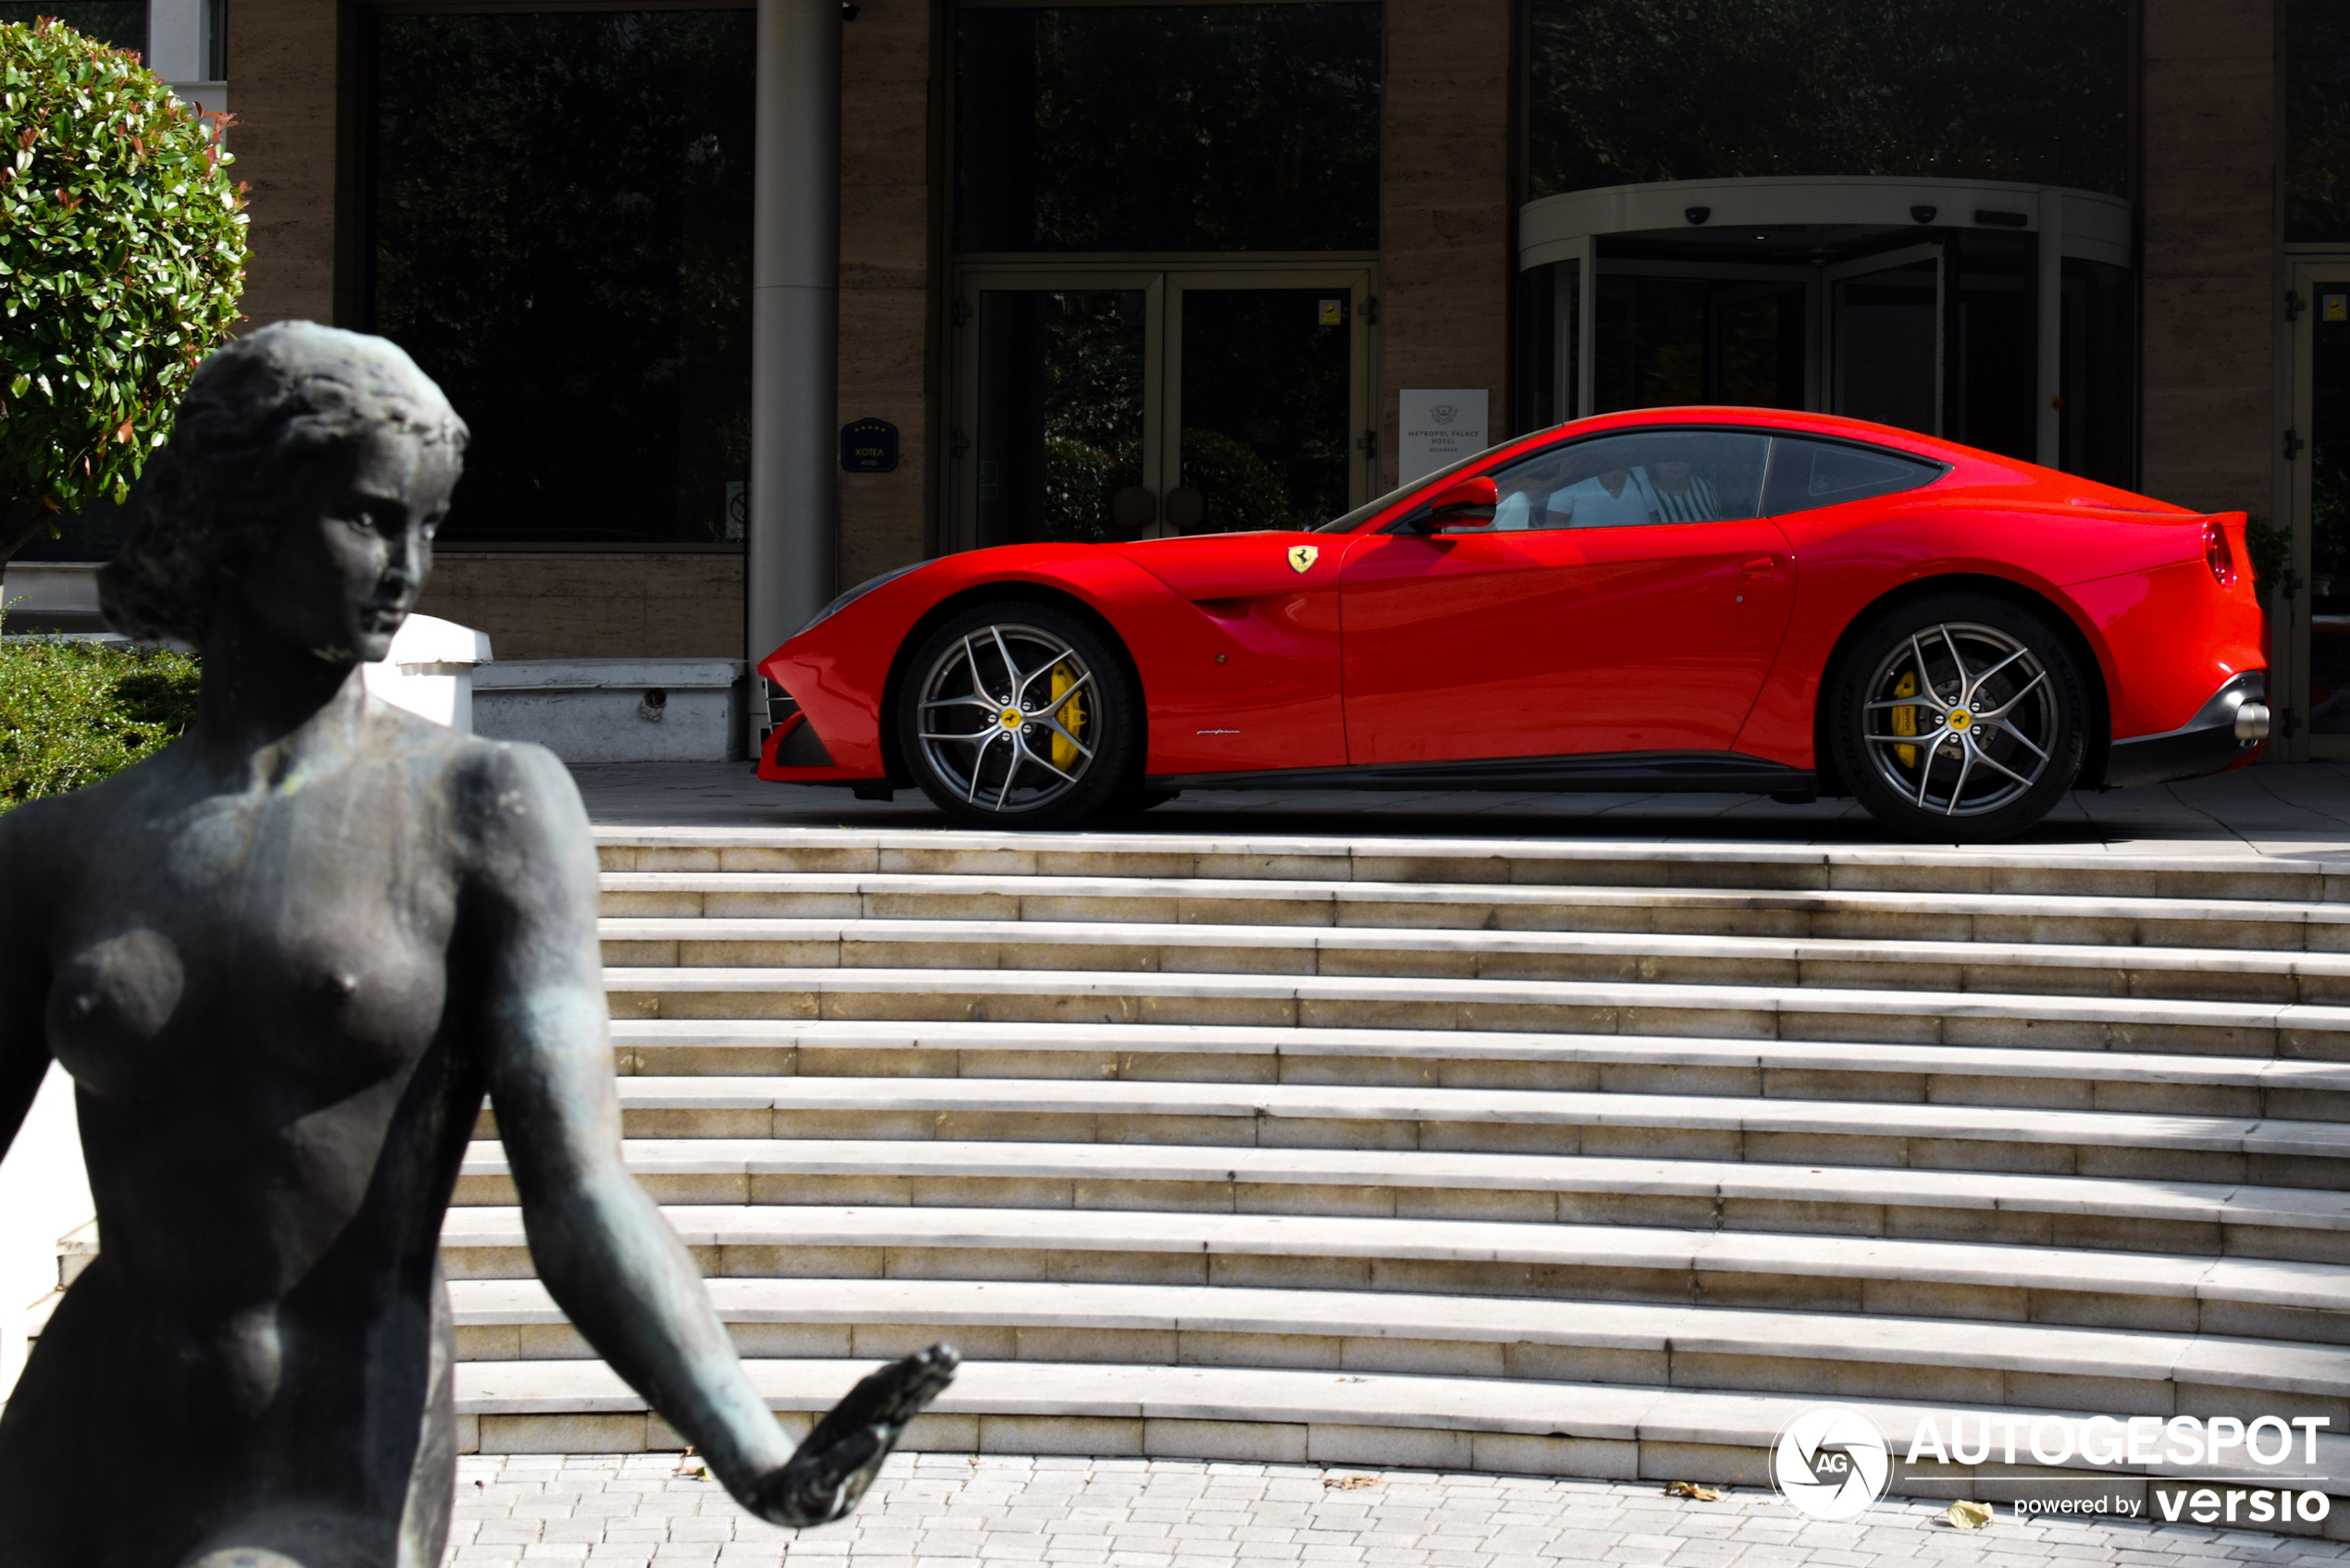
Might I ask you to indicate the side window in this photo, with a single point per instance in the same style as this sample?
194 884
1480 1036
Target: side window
1638 477
1808 473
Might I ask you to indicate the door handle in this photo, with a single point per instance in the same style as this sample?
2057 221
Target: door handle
1760 566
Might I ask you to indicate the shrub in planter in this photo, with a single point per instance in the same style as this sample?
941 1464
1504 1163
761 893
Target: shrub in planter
73 712
122 254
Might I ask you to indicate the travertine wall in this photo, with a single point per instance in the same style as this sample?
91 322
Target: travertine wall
2213 289
888 96
1445 201
282 87
594 606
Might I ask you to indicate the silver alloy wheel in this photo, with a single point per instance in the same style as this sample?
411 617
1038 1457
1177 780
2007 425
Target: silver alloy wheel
1009 718
1961 719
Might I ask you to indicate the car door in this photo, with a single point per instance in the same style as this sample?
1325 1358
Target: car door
1628 597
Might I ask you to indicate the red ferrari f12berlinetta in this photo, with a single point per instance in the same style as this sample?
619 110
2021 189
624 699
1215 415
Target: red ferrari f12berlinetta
1695 598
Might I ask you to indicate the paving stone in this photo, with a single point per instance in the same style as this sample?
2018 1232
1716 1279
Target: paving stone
635 1512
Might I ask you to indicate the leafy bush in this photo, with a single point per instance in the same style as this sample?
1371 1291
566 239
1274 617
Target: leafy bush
73 712
122 254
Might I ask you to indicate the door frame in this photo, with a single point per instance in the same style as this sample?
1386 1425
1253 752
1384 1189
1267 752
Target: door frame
1163 283
1831 319
959 514
2292 649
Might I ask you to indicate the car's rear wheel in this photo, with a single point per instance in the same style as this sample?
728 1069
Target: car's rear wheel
1959 718
1021 715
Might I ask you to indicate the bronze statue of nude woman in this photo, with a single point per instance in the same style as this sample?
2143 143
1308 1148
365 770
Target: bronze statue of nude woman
284 959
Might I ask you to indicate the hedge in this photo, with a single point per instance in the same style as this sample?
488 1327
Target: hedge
73 712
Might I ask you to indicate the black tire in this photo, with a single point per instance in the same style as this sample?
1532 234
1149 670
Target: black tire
1057 739
2001 720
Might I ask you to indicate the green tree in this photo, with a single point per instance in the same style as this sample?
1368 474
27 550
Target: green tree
122 255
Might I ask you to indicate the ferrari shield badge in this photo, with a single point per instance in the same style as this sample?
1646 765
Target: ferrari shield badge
1302 556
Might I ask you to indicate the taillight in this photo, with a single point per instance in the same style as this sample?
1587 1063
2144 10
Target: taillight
2218 556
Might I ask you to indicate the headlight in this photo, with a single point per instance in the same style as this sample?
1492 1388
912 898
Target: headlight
859 591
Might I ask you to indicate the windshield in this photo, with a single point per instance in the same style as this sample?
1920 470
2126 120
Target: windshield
1370 510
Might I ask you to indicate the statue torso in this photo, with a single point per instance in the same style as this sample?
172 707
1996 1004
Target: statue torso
260 997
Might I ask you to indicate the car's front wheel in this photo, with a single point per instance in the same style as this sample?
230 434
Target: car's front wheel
1020 716
1959 718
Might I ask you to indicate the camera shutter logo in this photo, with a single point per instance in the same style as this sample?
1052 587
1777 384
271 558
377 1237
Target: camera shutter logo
1831 1462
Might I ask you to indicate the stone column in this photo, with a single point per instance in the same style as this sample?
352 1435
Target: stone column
1444 199
794 320
175 40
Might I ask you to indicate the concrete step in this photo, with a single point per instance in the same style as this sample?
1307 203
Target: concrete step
2183 1219
2251 1298
1999 868
1748 1128
2242 924
2029 969
1824 1354
1752 1012
1603 1431
1982 1075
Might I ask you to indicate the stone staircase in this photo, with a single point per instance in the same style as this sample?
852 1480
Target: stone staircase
1562 1158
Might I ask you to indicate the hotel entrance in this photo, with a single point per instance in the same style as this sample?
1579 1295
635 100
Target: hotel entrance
1910 302
1126 402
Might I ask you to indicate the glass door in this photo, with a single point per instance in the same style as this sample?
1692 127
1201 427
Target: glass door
1053 424
1126 404
1703 332
1266 378
1884 327
2309 626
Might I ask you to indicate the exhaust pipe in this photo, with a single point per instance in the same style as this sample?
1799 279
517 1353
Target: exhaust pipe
2251 722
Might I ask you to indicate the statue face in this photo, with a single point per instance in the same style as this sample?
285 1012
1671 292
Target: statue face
338 571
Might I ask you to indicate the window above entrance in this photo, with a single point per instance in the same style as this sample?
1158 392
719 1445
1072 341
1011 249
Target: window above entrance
2317 121
1629 92
1168 127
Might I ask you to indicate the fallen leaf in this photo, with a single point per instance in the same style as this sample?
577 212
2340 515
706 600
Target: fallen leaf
1349 1483
1968 1516
1694 1492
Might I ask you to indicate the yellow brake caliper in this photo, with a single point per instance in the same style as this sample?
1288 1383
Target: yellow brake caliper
1072 718
1905 720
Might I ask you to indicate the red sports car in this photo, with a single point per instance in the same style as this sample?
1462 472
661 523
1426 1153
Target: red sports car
1700 598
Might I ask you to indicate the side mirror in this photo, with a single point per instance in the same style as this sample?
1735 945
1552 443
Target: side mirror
1469 504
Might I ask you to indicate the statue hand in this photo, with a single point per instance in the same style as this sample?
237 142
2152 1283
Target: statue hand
829 1472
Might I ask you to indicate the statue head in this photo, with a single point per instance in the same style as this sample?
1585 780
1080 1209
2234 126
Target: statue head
304 476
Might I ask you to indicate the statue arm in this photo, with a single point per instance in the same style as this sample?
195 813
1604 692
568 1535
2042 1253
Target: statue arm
606 1255
24 989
